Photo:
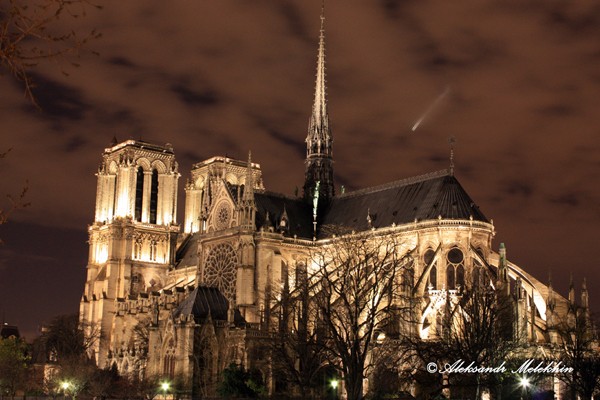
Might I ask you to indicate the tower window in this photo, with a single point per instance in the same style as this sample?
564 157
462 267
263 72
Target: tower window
154 197
139 194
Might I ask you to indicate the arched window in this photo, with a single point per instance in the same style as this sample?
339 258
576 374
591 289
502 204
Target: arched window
450 277
460 276
433 278
154 197
139 194
169 366
427 257
455 271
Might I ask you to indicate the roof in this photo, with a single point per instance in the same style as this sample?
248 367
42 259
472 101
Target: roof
422 198
187 252
297 209
204 301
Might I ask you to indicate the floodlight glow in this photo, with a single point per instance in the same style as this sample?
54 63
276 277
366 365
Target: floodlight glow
524 382
165 386
65 385
334 384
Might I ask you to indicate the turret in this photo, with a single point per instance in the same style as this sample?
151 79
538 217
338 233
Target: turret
503 281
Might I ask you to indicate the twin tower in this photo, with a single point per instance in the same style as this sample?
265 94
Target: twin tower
134 237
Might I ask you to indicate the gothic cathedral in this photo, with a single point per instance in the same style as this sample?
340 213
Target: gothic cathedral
154 287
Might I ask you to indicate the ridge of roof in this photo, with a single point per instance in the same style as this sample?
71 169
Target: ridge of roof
399 183
279 195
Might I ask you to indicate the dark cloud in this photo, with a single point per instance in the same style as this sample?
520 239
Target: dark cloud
294 20
191 97
58 101
519 188
393 8
121 61
581 19
568 199
298 146
75 143
557 110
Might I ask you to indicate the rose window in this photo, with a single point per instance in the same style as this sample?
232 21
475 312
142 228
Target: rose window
220 269
223 215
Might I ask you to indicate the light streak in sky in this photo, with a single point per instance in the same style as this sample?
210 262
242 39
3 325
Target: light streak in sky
431 107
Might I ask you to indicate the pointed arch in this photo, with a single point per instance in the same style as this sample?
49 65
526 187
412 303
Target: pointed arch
144 163
159 166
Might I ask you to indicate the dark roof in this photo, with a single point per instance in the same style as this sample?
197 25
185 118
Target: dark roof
7 331
298 211
423 198
187 252
204 301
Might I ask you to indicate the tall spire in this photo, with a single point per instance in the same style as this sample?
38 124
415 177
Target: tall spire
319 155
249 186
452 141
320 119
247 204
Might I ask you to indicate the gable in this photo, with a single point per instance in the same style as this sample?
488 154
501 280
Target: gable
223 214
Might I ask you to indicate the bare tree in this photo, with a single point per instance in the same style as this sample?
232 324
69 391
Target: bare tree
477 327
296 348
33 31
68 337
355 283
579 350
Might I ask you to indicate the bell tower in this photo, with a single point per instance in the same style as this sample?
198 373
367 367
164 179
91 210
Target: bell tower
319 141
134 234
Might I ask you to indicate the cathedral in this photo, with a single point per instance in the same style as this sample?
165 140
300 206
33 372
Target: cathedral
154 286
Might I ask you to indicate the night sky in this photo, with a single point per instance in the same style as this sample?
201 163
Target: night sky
522 84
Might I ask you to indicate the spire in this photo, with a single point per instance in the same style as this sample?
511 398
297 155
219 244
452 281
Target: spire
320 118
319 155
550 301
503 280
249 186
248 205
571 291
584 295
451 140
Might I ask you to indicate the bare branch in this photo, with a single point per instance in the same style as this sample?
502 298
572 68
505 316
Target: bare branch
27 37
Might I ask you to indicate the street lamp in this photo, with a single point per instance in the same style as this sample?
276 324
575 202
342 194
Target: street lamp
334 385
165 387
525 384
65 385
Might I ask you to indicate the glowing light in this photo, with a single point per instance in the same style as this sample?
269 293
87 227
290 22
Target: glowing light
524 382
65 385
101 253
431 107
165 386
334 384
